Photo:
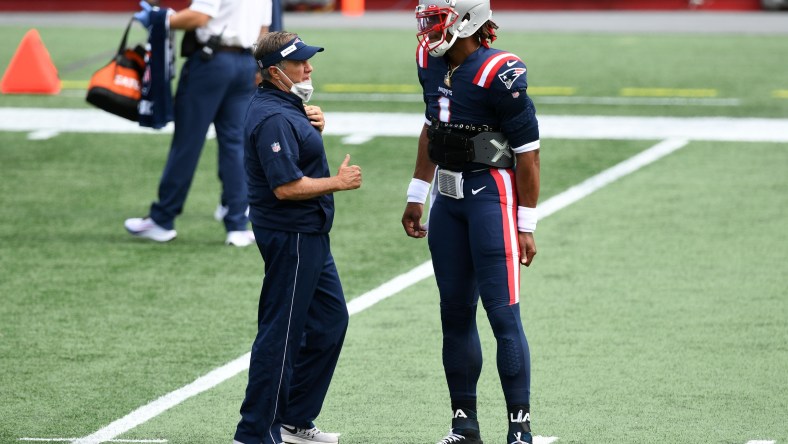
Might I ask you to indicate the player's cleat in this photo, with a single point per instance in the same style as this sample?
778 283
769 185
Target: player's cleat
296 435
519 425
521 438
461 437
146 228
240 238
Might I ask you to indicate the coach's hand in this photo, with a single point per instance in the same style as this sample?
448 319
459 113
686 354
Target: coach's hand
527 248
315 116
348 176
411 220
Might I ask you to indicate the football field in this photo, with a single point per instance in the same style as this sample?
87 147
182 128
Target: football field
656 309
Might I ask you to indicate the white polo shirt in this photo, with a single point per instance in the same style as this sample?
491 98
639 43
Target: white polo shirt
241 20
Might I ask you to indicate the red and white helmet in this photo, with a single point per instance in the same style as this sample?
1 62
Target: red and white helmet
460 18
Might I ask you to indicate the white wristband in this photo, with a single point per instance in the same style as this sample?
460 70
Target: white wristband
526 219
418 190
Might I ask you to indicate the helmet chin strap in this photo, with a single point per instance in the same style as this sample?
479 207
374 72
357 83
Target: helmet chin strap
441 49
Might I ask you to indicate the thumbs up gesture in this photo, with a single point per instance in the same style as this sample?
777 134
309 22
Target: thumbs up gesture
348 176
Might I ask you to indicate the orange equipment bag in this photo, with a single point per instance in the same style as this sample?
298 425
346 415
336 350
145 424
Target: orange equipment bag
115 88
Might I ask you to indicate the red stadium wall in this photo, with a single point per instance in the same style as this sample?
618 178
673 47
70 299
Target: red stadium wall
654 5
82 5
548 5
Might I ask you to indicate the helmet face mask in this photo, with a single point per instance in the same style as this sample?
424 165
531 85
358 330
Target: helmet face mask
438 18
433 22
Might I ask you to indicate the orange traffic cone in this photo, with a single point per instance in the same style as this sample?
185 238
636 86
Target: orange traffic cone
353 8
31 70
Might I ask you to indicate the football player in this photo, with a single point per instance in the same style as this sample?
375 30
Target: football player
479 148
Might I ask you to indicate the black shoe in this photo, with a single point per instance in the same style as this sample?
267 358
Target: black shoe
458 436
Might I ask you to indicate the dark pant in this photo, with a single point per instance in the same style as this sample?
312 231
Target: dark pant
216 91
302 320
475 254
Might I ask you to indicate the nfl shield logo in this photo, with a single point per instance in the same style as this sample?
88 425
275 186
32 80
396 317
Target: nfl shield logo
275 147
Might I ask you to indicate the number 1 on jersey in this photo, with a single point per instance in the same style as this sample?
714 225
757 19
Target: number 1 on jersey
444 104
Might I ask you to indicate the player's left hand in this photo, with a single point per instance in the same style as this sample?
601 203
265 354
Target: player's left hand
411 220
527 248
315 116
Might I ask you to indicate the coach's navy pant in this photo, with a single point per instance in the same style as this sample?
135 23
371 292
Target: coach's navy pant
215 91
475 252
302 320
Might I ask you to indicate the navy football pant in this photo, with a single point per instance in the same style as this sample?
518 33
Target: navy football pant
216 91
475 253
302 320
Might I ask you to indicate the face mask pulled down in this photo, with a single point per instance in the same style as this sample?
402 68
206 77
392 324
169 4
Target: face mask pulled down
303 90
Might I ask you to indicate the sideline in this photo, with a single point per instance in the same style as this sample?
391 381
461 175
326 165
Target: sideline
388 289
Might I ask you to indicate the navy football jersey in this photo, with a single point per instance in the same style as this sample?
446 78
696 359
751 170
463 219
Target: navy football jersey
488 88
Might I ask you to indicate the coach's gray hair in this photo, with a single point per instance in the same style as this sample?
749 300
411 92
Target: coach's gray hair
268 43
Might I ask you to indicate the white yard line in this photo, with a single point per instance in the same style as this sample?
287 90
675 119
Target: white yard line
361 127
376 295
111 440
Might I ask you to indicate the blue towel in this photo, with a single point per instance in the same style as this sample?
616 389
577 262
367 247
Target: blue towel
156 107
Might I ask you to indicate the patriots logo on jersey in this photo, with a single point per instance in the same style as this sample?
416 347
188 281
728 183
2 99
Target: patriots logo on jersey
510 75
275 147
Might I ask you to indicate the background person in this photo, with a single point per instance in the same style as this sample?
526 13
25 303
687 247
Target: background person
302 316
478 119
215 84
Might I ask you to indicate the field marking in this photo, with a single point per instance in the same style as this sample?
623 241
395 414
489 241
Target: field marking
361 127
560 96
388 88
372 297
668 92
641 101
609 176
74 439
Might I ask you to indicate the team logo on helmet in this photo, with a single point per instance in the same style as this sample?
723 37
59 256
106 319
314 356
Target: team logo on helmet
510 75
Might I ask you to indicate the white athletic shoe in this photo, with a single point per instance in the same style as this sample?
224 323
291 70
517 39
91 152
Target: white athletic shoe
240 238
295 435
148 229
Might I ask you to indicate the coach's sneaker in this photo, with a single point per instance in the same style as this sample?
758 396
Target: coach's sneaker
296 435
240 238
146 228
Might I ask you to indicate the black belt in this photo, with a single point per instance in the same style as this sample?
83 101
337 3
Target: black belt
465 127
